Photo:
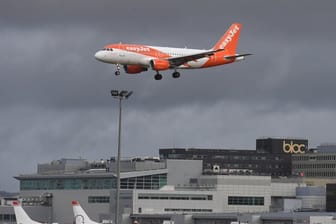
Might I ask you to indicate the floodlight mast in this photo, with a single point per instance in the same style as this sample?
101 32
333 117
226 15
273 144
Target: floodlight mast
120 95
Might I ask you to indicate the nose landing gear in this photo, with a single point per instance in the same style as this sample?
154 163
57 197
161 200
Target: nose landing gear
158 76
118 70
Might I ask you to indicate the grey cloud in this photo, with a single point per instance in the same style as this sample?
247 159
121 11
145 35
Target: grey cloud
55 101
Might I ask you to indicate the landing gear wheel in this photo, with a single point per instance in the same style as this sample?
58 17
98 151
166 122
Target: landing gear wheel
118 70
158 76
176 75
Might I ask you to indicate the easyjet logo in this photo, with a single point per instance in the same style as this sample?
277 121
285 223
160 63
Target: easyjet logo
138 49
293 148
230 36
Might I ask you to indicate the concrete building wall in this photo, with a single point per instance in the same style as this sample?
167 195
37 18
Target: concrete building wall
244 191
244 187
169 204
290 205
223 180
313 197
322 219
179 174
313 202
284 189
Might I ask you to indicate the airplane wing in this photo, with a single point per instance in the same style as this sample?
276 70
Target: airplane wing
236 56
177 61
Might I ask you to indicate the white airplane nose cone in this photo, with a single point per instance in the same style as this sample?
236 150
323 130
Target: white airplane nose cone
99 55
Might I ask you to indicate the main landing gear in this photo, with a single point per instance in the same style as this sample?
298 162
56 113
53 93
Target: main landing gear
158 76
118 70
175 75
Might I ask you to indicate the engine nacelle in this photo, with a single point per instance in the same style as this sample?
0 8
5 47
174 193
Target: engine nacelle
133 69
159 64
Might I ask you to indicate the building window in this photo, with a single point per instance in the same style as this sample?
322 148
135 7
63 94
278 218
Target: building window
187 210
175 197
99 199
7 218
238 200
143 182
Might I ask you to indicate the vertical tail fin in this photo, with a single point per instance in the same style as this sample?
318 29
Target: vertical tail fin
21 216
229 41
80 215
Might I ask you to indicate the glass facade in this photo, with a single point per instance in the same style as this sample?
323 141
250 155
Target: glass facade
331 197
7 218
238 200
143 182
67 184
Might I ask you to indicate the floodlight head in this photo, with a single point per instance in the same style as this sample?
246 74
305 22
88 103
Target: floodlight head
114 93
129 94
123 93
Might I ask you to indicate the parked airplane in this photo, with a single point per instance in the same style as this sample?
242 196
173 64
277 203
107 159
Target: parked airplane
80 215
137 58
21 216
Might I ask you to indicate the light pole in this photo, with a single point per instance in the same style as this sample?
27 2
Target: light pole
120 95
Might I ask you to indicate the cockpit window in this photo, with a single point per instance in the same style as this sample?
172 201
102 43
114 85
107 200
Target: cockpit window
107 49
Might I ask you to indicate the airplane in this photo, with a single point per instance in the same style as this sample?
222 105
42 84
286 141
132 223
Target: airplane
137 58
80 215
21 216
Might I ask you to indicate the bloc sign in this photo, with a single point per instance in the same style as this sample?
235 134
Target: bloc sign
293 148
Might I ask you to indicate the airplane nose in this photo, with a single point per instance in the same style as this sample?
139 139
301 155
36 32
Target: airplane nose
99 55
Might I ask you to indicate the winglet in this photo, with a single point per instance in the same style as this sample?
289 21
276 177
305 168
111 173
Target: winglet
229 41
79 212
75 203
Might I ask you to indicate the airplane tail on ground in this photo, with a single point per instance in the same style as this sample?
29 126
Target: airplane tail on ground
80 215
21 216
229 41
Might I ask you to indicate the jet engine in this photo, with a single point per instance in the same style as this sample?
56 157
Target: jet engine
133 69
159 64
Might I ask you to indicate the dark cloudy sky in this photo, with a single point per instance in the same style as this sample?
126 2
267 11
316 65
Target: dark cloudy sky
54 96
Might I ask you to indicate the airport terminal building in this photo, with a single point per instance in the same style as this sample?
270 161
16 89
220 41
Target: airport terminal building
273 156
186 186
153 191
319 162
147 188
